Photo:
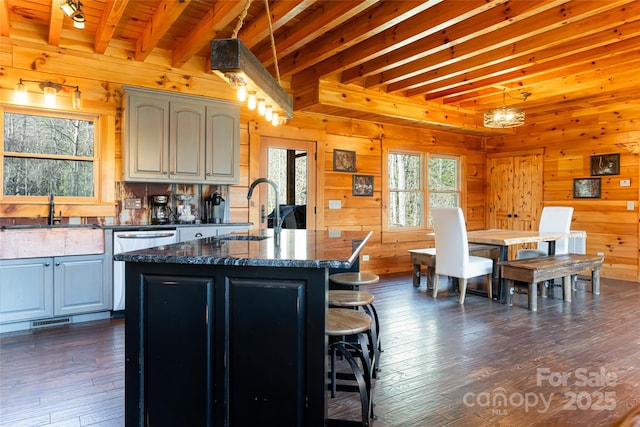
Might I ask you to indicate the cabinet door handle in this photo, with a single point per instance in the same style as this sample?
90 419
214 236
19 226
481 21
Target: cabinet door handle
47 264
515 215
57 264
170 283
508 215
198 234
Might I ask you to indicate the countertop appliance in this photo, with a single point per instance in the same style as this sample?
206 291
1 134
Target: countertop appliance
125 241
183 209
214 209
160 211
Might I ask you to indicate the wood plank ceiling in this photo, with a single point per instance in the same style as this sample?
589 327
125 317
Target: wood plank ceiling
435 63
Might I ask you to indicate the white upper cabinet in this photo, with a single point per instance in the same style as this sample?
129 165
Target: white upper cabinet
222 145
179 138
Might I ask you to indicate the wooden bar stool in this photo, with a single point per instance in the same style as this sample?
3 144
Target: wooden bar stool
364 300
342 323
352 281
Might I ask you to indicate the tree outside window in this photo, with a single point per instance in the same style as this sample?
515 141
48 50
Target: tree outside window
416 177
444 187
406 189
48 155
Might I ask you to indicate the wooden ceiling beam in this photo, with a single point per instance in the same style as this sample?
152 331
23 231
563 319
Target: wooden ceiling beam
4 18
219 16
581 87
257 30
499 42
166 14
438 28
583 51
324 19
108 23
541 48
55 23
383 16
329 97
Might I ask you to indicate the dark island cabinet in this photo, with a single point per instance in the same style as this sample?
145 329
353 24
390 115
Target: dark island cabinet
224 346
170 341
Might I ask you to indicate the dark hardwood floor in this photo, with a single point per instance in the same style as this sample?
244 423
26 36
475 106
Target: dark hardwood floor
480 364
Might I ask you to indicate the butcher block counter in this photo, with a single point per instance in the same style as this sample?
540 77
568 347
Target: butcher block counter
231 331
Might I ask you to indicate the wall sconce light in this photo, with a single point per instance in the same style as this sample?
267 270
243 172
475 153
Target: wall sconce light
234 62
74 10
505 117
50 90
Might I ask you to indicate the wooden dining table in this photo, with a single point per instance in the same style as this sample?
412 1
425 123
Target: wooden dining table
506 238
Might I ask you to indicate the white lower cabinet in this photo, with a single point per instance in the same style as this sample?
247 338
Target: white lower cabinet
192 233
26 289
80 285
38 288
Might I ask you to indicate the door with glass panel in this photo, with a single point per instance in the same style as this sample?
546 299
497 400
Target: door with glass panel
290 164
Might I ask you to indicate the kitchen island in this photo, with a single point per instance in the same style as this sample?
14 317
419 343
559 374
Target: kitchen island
231 331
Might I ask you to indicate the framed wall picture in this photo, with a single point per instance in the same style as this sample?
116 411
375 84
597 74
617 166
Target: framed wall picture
586 188
362 185
605 164
344 161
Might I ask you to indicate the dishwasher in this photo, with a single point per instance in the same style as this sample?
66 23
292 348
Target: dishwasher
125 241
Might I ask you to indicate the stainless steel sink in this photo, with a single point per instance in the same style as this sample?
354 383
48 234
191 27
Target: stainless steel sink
242 237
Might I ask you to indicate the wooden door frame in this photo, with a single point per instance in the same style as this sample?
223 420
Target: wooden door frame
259 140
489 156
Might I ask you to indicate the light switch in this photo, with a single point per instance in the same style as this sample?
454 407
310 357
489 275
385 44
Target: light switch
625 182
630 206
335 204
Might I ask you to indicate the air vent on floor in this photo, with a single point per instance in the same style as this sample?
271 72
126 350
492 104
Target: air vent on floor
50 322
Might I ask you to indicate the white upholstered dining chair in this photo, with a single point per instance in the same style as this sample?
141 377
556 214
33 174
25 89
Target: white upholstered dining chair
553 219
452 248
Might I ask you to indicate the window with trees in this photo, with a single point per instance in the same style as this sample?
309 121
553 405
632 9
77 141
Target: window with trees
444 181
48 154
418 177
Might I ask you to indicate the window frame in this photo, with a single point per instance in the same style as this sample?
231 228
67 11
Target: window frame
95 159
387 226
425 191
105 170
457 191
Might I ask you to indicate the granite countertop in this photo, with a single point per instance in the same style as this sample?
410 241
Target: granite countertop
298 249
167 226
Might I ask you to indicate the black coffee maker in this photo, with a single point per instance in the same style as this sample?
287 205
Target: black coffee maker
160 211
214 208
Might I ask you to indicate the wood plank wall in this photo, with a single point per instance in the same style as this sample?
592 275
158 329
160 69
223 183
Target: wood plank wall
569 140
568 143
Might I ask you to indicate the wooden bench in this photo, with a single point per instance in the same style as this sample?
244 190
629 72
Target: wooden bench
535 270
427 257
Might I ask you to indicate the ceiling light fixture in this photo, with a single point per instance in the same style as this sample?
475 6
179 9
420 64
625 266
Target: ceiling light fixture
505 117
74 10
234 62
50 90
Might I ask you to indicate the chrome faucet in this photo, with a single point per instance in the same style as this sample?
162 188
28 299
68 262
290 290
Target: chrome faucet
277 220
